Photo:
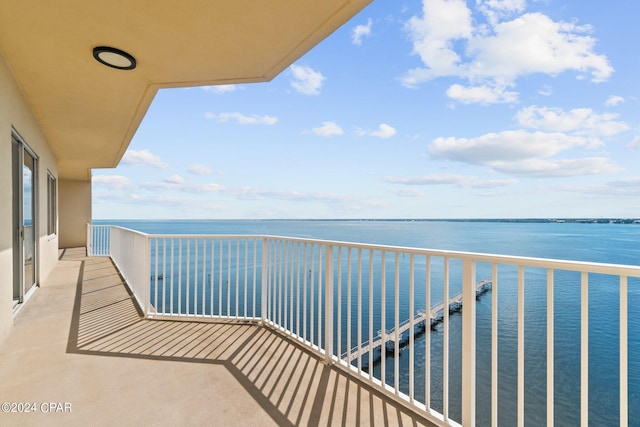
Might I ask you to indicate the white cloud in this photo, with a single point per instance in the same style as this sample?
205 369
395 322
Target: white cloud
219 89
522 153
160 185
200 169
548 168
481 94
506 6
495 9
503 147
408 192
496 54
634 144
545 90
242 119
384 131
112 182
336 202
629 186
537 153
174 179
328 129
466 181
119 196
143 158
170 184
361 31
435 179
613 189
533 43
433 34
581 121
306 80
492 183
614 100
203 188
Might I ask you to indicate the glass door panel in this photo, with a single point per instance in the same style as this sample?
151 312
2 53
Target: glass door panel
28 245
16 149
24 219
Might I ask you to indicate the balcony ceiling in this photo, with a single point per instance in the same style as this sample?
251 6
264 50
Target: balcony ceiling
89 112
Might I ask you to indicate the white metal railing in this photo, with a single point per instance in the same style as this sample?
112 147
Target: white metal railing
335 296
205 276
98 240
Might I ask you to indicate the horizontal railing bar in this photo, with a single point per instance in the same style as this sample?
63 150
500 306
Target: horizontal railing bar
205 319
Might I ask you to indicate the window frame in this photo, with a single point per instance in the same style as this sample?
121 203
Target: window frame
52 204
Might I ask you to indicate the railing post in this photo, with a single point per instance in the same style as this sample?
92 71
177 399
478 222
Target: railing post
468 343
89 240
328 304
146 270
110 251
584 349
263 282
624 352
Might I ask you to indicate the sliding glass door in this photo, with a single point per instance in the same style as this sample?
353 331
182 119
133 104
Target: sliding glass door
24 219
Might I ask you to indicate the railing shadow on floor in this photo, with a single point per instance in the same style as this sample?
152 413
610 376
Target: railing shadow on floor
291 384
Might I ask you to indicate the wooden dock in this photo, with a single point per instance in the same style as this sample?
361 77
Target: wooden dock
419 319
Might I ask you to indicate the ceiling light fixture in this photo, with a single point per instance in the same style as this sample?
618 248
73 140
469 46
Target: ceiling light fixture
114 58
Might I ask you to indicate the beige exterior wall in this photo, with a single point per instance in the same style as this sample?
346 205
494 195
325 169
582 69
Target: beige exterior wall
16 113
74 212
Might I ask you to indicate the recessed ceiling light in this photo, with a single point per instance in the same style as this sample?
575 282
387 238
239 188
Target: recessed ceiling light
114 58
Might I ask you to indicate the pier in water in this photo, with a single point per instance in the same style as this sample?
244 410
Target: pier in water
419 321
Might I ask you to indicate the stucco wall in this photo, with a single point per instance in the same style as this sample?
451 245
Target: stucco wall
14 111
74 212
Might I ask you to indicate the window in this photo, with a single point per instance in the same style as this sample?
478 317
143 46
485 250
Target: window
52 205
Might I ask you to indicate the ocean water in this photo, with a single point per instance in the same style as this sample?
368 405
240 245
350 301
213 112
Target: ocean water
605 243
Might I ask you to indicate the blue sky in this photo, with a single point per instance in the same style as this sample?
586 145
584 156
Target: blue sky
413 109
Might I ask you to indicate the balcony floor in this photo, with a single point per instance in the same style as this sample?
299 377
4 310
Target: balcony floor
80 341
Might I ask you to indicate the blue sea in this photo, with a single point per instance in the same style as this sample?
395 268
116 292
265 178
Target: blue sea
603 243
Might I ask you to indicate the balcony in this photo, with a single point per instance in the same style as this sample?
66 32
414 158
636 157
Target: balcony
84 355
260 330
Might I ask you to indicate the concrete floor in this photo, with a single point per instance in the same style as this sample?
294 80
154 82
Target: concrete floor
80 354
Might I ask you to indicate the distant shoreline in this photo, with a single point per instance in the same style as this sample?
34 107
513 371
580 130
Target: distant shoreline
500 220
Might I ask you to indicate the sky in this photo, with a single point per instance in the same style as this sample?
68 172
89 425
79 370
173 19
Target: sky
412 109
